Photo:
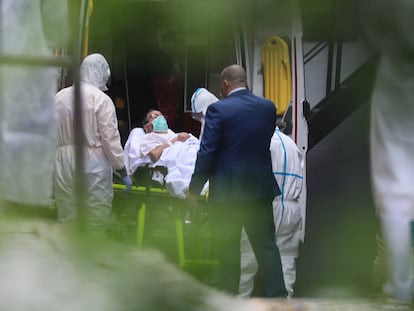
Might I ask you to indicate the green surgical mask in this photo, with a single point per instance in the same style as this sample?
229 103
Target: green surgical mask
160 124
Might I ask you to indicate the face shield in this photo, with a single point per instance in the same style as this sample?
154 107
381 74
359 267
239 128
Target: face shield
200 101
108 79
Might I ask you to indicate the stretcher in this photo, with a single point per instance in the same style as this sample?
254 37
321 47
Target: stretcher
277 72
168 223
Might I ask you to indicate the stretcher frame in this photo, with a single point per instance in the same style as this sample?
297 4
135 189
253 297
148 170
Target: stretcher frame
146 189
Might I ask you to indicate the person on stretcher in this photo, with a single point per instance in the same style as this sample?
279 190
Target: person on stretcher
158 136
157 145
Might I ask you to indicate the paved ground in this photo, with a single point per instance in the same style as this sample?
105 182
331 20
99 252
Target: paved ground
45 234
312 304
347 305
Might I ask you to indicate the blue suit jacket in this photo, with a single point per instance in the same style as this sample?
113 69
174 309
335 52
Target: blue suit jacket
234 151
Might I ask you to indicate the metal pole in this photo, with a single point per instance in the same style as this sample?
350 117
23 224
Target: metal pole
80 189
126 84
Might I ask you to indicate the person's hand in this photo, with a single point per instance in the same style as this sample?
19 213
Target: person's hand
183 136
148 127
128 182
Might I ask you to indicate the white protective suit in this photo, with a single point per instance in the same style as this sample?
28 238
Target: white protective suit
102 145
27 115
392 142
200 100
289 215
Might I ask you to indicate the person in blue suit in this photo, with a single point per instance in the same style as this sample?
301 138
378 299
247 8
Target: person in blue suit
234 156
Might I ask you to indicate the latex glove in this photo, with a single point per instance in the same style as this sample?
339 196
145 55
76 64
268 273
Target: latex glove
127 181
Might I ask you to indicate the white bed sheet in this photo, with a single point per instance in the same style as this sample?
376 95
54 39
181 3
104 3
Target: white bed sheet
179 159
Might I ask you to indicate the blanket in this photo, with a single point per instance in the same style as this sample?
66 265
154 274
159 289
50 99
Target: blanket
179 159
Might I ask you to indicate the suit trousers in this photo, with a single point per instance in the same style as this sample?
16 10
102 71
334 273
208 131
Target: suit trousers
256 216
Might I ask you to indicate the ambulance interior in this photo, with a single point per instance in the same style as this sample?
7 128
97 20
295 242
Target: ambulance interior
159 54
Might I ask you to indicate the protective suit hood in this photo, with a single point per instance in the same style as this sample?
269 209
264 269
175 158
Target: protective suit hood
201 99
95 70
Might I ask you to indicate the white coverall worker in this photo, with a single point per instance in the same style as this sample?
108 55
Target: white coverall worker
102 145
200 100
289 215
27 114
392 142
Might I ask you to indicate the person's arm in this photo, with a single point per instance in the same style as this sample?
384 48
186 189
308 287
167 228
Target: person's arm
156 152
108 132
